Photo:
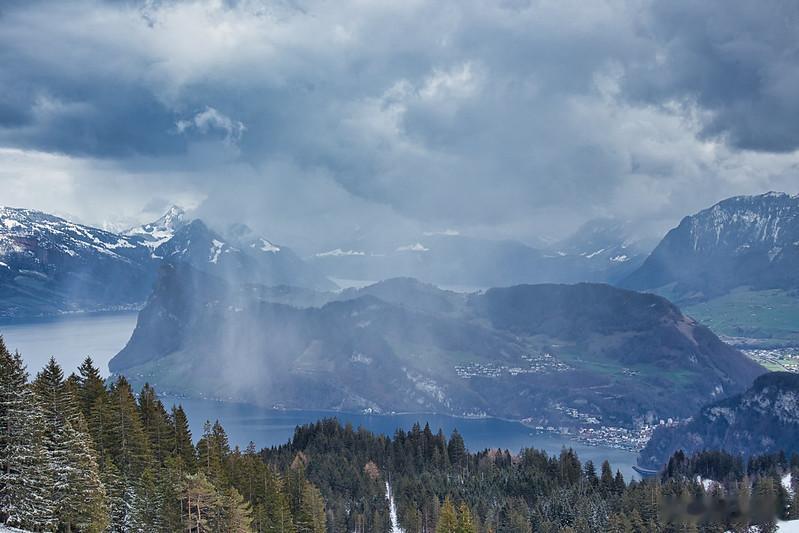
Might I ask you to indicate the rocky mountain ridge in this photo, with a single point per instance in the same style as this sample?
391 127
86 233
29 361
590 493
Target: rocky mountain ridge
763 419
750 241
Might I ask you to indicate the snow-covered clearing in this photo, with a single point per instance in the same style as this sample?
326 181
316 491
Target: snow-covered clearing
392 505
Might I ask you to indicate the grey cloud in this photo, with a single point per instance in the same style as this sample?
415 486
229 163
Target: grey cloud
330 123
737 60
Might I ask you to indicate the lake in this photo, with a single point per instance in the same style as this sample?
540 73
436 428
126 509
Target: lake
70 339
101 336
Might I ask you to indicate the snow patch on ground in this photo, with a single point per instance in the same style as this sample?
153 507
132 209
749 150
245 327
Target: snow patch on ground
6 529
788 527
392 511
707 484
786 484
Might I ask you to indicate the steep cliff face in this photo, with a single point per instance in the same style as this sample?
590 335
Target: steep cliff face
742 241
763 419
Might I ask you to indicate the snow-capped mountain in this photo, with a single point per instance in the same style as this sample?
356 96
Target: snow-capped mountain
157 233
742 241
240 256
49 265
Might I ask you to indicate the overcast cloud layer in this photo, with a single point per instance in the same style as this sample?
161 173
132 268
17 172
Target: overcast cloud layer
320 122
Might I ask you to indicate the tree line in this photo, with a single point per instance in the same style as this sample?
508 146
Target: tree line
78 454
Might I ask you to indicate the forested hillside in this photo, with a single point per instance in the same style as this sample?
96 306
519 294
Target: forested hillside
78 455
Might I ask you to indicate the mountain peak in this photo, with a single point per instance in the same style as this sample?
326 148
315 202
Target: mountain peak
174 217
160 231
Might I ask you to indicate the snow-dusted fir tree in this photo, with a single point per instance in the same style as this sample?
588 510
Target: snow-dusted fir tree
80 496
26 498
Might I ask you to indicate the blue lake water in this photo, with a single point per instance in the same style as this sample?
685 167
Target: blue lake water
70 339
101 336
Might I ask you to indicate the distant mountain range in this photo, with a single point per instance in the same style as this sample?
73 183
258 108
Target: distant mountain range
764 419
602 250
50 266
750 241
556 355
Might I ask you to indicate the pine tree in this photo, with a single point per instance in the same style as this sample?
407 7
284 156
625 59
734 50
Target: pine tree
277 516
311 516
156 424
606 484
183 446
235 513
456 449
447 518
26 497
115 496
213 450
200 502
146 506
126 439
91 386
87 496
465 520
79 494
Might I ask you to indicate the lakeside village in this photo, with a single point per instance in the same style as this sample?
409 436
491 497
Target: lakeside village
588 428
785 359
592 432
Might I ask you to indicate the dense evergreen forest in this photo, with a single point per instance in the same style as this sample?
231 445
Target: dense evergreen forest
79 455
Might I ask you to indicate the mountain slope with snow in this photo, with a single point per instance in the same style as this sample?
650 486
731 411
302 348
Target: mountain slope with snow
157 233
748 241
240 257
51 266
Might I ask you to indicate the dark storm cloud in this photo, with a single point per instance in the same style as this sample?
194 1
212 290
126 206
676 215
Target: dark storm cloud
322 121
736 59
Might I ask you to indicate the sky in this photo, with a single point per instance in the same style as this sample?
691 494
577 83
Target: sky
323 123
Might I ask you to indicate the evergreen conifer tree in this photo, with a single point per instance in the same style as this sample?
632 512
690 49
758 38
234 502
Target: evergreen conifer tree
447 518
311 516
26 496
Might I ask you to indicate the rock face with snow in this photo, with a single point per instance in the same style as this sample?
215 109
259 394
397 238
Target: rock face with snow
764 419
157 233
742 241
51 266
558 354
